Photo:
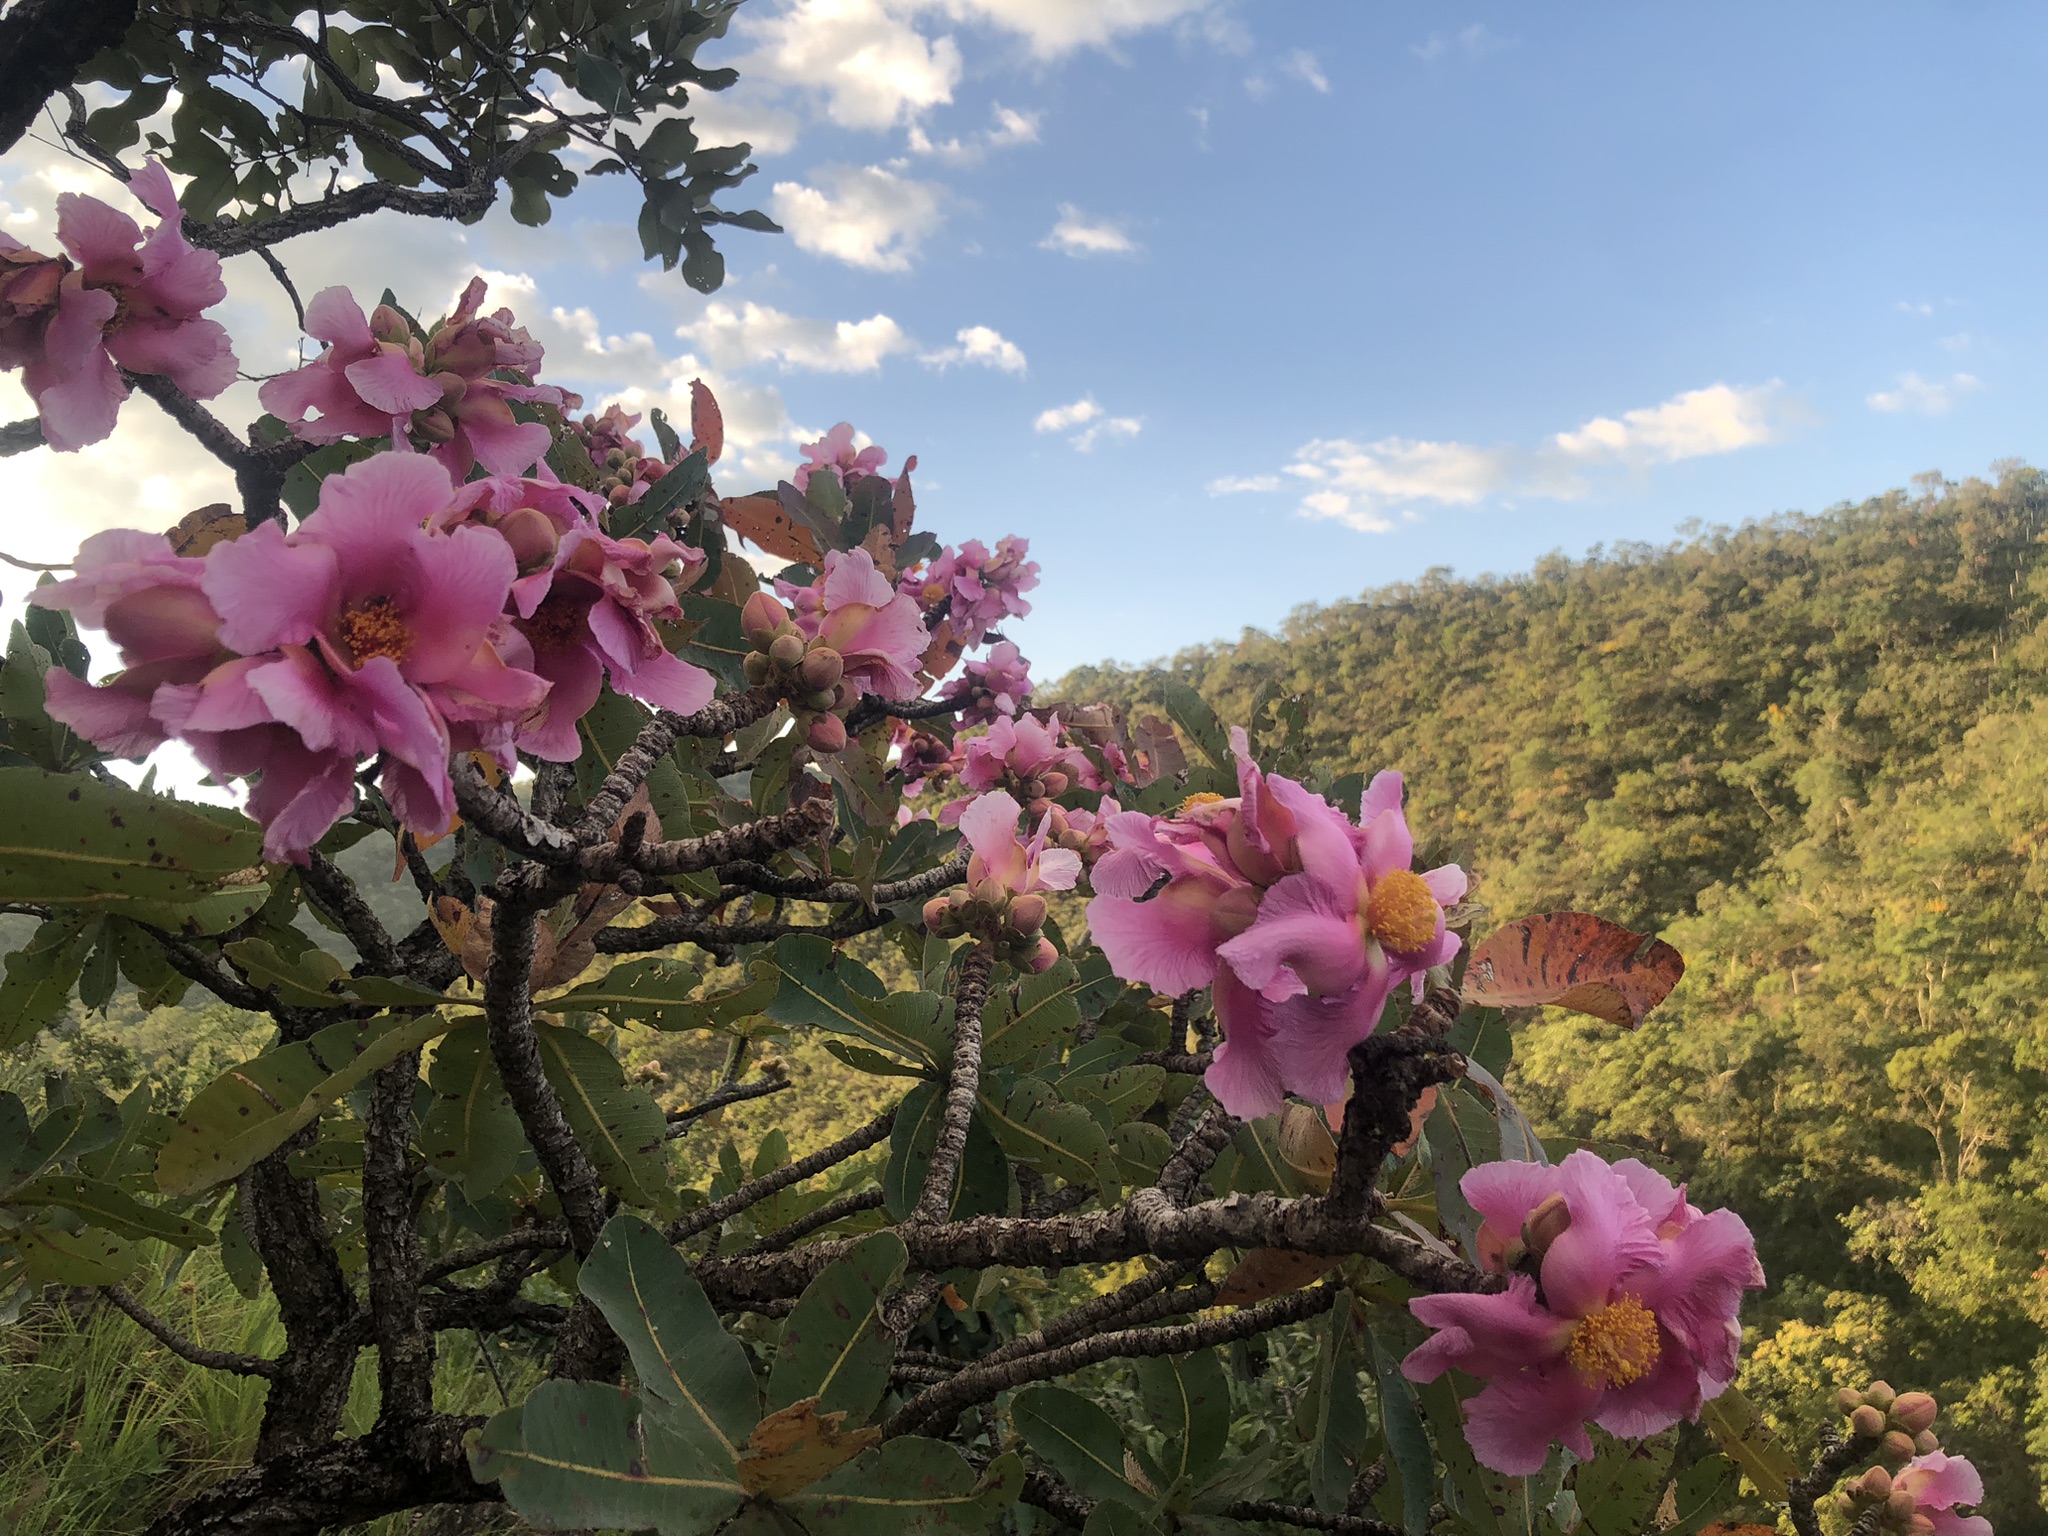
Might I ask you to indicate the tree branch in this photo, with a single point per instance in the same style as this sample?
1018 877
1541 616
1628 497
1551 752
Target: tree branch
754 1191
20 436
680 1120
963 1085
1836 1457
823 1216
1309 1519
391 1243
336 895
185 1349
715 721
43 46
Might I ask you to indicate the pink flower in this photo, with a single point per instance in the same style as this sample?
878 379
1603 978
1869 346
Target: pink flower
149 602
1024 756
1621 1309
998 686
922 759
378 378
134 301
1331 943
835 454
1020 866
376 635
975 590
853 609
1938 1483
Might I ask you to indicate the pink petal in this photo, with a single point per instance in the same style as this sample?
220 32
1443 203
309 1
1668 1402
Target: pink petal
1669 1393
851 577
299 796
1447 883
1610 1237
1388 845
112 718
1165 943
576 676
373 505
303 694
1486 1335
1313 1036
1059 869
334 316
667 682
456 590
389 383
1305 930
103 239
502 444
1941 1481
1504 1193
989 824
1244 1076
269 591
1381 795
1697 1291
77 391
1322 835
1511 1424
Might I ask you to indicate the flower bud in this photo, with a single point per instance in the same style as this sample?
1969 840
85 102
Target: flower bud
1879 1395
1873 1487
827 733
1043 958
756 667
762 619
787 650
1057 826
938 915
1054 782
1546 1224
1920 1525
991 892
1848 1399
1027 913
844 695
615 458
453 386
822 668
1031 789
1914 1411
1899 1504
387 324
1867 1423
1926 1442
1897 1445
436 426
822 701
1235 910
619 496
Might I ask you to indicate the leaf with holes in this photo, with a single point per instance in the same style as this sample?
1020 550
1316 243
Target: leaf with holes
1188 1400
470 1133
910 1486
100 1204
1031 1123
763 522
57 1256
795 1446
1576 961
834 1346
1746 1440
650 991
1619 1489
620 1127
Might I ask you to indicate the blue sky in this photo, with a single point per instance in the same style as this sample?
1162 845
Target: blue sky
1270 302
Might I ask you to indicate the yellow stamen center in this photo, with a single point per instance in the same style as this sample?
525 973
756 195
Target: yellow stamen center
1201 797
1400 912
1615 1345
376 628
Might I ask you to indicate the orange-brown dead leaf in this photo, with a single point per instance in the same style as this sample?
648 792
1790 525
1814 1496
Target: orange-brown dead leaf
1306 1143
1268 1272
760 520
1577 961
1416 1117
199 530
795 1446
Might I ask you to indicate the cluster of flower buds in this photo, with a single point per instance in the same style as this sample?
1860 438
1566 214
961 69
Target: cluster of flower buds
991 911
810 673
624 467
1901 1422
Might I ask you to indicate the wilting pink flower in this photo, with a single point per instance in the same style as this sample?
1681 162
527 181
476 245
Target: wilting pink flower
134 301
923 758
1020 865
384 634
595 620
1621 1309
1938 1483
999 686
853 609
378 378
625 470
835 454
1331 943
1024 756
149 602
975 590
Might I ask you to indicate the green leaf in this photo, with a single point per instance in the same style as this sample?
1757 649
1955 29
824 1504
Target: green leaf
982 1186
470 1132
691 1370
680 485
1118 1095
1046 1009
69 840
238 1256
834 1344
909 1486
40 976
716 642
664 434
1032 1124
849 999
30 730
576 1455
874 1063
1188 1400
1341 1423
306 980
1705 1490
1736 1423
251 1110
650 991
1078 1441
1113 1519
1619 1489
621 1128
72 1130
1198 723
598 80
101 1204
55 1256
1407 1441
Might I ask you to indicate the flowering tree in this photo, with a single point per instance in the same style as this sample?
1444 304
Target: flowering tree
1252 1086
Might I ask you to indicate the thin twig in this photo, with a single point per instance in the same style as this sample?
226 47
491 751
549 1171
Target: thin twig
183 1348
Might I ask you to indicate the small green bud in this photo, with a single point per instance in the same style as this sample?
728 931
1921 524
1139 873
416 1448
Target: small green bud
757 667
787 650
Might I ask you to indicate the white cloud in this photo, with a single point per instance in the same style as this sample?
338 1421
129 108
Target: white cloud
1924 397
1096 424
1717 419
983 345
1913 307
1474 42
1055 27
865 216
756 333
1078 235
1363 485
867 58
743 115
1303 66
1011 127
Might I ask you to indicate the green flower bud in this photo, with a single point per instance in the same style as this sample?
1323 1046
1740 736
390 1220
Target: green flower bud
757 667
1027 913
1879 1395
1926 1441
761 620
822 668
1848 1399
787 650
1873 1487
1897 1445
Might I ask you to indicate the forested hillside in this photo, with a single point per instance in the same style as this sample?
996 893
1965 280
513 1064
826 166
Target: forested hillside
1813 754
